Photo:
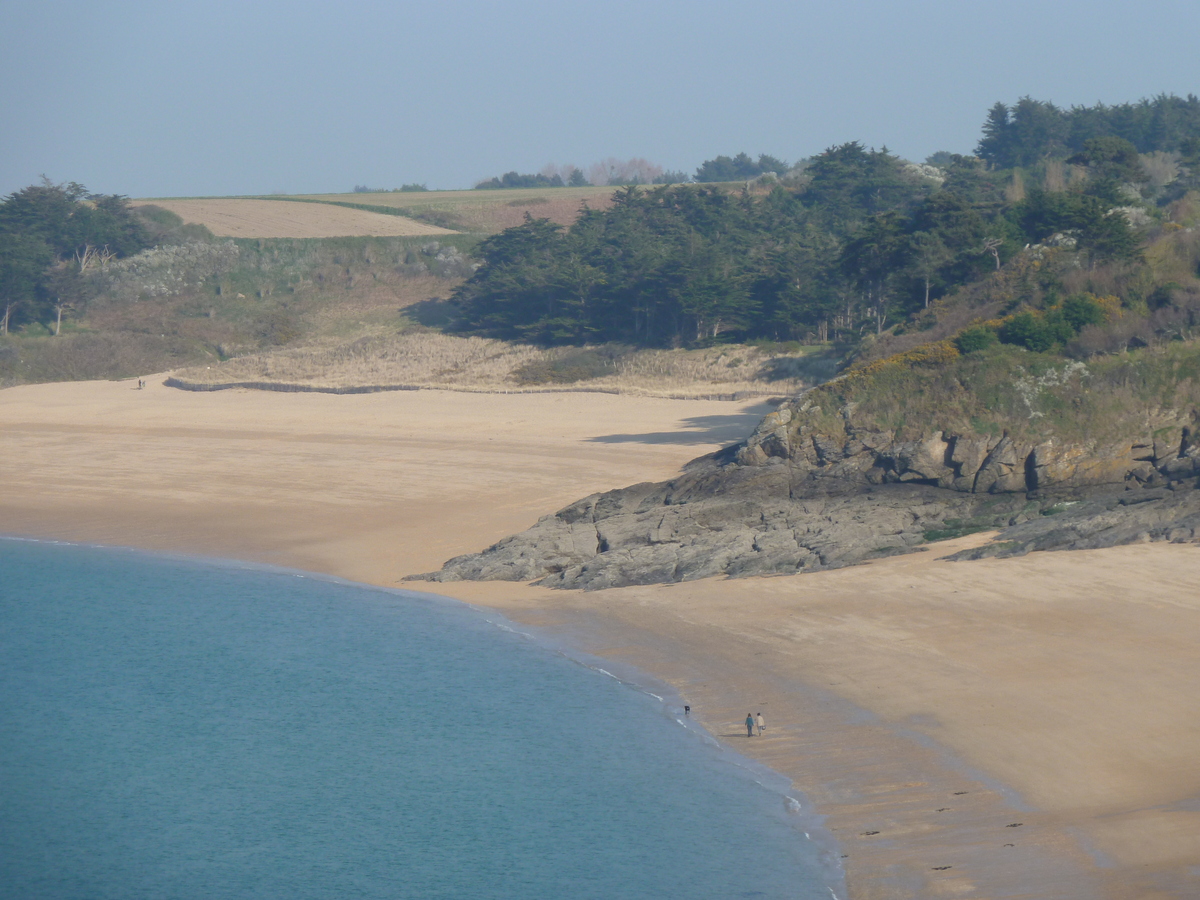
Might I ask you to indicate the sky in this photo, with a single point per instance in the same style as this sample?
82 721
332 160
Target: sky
161 99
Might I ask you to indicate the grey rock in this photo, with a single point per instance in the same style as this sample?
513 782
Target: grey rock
792 499
721 519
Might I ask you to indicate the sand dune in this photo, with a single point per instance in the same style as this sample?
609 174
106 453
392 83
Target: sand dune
290 219
1031 724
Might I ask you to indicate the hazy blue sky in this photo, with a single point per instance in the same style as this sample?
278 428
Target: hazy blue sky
174 98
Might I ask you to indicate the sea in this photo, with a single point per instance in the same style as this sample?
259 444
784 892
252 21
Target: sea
182 728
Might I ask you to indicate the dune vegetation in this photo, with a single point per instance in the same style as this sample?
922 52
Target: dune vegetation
428 359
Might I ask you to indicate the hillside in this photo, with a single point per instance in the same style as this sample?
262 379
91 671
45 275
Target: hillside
205 300
250 218
479 212
390 213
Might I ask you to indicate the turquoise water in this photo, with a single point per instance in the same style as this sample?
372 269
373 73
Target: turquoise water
185 729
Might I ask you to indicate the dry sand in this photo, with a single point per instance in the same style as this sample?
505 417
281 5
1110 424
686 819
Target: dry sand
290 219
924 706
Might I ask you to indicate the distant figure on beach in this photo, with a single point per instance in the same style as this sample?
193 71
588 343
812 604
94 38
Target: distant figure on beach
141 384
749 725
762 724
687 710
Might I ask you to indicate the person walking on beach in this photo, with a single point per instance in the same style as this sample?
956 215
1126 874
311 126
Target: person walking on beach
749 725
762 724
687 710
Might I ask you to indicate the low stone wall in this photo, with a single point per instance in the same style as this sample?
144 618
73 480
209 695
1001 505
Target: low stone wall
287 388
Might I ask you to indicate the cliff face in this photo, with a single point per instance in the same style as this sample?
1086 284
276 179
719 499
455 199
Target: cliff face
970 462
882 462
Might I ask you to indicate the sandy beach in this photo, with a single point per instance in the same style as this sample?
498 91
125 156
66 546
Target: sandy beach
1023 728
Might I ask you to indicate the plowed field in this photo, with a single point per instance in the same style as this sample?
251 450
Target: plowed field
289 219
486 212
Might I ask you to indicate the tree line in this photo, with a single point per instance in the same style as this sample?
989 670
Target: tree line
1031 131
606 172
50 236
575 178
862 242
621 173
738 168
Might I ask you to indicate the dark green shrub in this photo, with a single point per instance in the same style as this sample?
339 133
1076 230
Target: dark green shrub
1080 310
1035 332
977 337
1028 331
1057 327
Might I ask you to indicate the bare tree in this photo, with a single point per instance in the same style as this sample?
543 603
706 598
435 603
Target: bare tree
992 245
59 307
91 256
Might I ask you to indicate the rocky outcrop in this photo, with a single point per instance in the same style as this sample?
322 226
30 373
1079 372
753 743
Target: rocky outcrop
801 496
717 519
1171 513
725 518
971 463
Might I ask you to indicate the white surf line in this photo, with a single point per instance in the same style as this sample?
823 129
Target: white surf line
509 629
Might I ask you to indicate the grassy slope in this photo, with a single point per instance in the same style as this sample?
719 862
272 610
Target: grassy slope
1031 396
468 211
255 218
1136 375
474 212
278 292
479 212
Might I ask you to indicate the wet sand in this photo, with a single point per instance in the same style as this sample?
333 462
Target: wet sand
1006 728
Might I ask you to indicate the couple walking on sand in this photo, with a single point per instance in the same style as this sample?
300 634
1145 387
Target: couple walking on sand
752 723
